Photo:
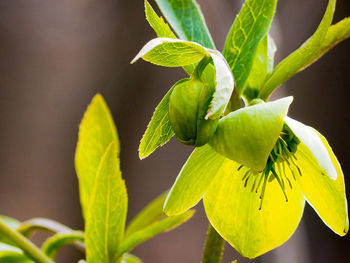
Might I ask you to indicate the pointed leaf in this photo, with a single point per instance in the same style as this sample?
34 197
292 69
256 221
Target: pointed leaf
187 20
150 214
159 130
193 180
169 52
57 241
249 28
157 23
309 51
321 182
248 135
152 230
162 29
96 132
107 213
233 210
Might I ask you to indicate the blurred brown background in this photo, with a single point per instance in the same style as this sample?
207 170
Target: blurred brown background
55 55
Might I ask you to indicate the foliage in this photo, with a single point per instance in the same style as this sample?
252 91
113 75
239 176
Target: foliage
255 167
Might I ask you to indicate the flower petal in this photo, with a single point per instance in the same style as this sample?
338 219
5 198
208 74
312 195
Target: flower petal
233 210
318 148
325 195
249 134
193 180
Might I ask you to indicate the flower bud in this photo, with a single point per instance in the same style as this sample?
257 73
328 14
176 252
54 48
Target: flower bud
188 106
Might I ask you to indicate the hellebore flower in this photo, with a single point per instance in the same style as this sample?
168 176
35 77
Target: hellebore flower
255 175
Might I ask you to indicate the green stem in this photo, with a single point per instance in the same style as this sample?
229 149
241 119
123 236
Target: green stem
235 100
25 244
214 246
200 67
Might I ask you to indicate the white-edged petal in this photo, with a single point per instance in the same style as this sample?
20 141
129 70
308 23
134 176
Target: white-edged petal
310 138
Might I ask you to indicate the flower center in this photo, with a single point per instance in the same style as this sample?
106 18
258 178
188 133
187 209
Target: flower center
281 158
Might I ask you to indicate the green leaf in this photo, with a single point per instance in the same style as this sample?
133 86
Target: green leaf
193 180
129 258
162 29
96 132
336 34
233 210
187 20
249 28
157 23
55 242
248 135
262 67
169 52
152 230
26 228
13 257
9 254
107 213
300 58
11 223
150 214
159 130
175 53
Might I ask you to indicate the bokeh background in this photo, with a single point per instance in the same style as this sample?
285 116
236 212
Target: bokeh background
55 55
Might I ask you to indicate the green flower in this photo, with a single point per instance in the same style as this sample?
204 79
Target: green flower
257 207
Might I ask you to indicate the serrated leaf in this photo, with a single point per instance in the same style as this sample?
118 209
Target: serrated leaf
262 66
51 246
150 214
162 29
159 130
175 53
249 28
157 23
187 20
296 61
106 216
96 132
152 230
169 52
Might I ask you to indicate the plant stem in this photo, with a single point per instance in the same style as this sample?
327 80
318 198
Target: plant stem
25 244
214 246
235 100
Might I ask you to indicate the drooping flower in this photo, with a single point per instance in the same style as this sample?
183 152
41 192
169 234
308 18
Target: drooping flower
257 207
